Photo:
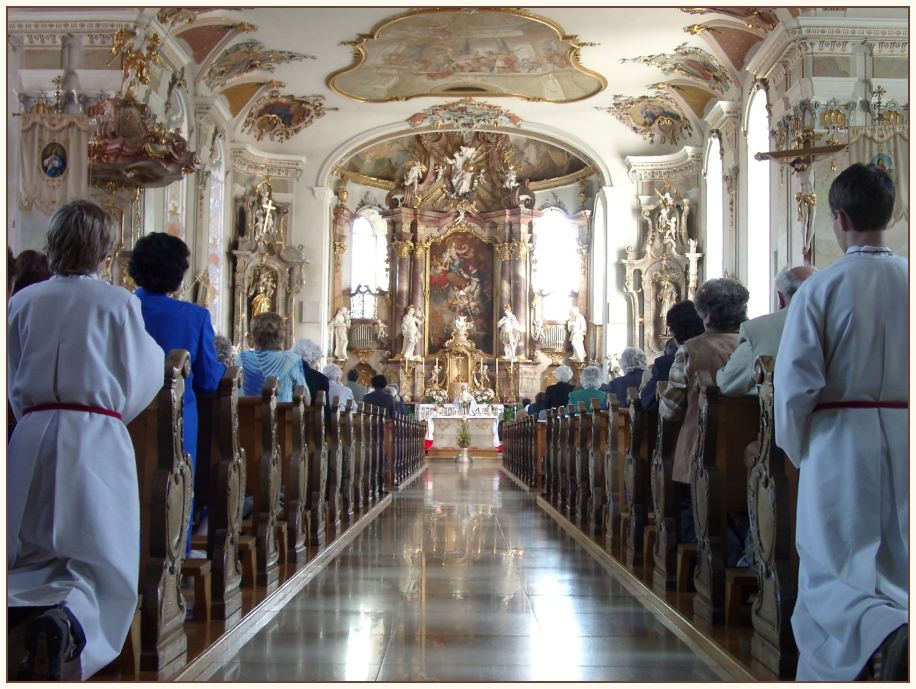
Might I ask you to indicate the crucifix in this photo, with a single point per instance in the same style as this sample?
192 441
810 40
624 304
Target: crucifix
800 159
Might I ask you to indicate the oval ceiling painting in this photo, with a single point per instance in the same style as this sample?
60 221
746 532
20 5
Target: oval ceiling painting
466 52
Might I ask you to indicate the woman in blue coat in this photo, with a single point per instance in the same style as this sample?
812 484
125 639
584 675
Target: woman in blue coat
158 264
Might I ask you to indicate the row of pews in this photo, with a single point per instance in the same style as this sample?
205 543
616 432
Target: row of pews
609 473
310 482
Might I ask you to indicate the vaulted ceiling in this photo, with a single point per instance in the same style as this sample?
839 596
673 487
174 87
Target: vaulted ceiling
334 84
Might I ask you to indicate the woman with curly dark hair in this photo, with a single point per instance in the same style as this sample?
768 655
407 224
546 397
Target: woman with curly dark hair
158 264
683 323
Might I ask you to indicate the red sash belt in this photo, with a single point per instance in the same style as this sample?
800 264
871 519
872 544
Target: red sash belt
861 404
71 407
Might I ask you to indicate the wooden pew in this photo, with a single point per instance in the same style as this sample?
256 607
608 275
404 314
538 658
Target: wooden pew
551 484
370 439
388 443
614 455
318 471
572 446
583 477
772 492
294 457
540 455
666 500
563 460
222 456
166 485
597 447
718 485
258 435
360 453
379 461
347 460
636 479
335 471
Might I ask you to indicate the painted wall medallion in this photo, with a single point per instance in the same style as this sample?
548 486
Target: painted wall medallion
467 52
691 63
651 116
280 117
243 58
54 160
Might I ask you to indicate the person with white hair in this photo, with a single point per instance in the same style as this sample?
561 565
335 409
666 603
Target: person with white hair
399 405
336 388
310 353
633 363
591 378
557 395
760 336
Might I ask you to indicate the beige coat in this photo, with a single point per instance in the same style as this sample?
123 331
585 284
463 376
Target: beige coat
706 352
757 337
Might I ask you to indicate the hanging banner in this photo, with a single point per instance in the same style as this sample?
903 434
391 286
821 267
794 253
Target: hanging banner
54 160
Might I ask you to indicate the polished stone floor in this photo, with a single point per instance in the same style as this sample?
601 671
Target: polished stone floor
463 578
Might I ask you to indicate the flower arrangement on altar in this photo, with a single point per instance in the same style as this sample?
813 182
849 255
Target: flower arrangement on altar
463 436
484 395
436 396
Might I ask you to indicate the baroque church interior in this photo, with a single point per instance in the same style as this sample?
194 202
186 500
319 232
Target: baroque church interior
463 200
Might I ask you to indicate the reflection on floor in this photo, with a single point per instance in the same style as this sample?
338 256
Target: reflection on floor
463 578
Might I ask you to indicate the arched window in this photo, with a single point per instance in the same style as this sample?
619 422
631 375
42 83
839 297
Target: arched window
557 264
715 227
368 263
758 208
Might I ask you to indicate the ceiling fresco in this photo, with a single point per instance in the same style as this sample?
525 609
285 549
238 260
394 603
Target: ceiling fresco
243 58
480 51
466 115
532 159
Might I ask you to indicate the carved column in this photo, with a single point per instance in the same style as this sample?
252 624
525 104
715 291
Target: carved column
519 270
417 286
400 252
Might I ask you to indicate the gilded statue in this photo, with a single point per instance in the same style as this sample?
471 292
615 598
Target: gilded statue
262 292
139 51
435 380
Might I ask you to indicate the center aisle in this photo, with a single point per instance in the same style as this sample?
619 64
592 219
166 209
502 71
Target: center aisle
463 578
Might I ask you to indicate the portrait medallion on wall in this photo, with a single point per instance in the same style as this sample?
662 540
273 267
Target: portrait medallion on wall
467 52
54 160
460 284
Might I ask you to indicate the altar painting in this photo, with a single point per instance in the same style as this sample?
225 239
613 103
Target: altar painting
460 283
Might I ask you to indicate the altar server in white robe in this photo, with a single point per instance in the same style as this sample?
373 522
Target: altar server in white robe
81 366
841 416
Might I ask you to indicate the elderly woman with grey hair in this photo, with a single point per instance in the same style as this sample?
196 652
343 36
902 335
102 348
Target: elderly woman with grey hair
557 395
268 359
336 388
722 304
590 379
633 363
310 354
225 352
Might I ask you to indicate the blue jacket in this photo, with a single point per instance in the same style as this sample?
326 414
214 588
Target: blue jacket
180 325
660 370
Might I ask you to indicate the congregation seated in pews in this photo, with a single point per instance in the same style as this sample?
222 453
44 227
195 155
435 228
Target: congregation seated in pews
613 471
311 472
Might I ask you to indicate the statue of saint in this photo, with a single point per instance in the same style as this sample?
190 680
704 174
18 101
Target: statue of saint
263 289
511 180
340 326
509 331
576 327
410 329
462 174
667 295
434 377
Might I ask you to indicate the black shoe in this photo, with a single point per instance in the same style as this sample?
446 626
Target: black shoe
894 659
51 639
890 661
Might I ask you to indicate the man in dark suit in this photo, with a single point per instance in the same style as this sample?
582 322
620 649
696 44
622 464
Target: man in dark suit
379 397
557 395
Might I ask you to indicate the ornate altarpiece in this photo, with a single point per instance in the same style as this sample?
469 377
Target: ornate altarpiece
662 272
268 272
